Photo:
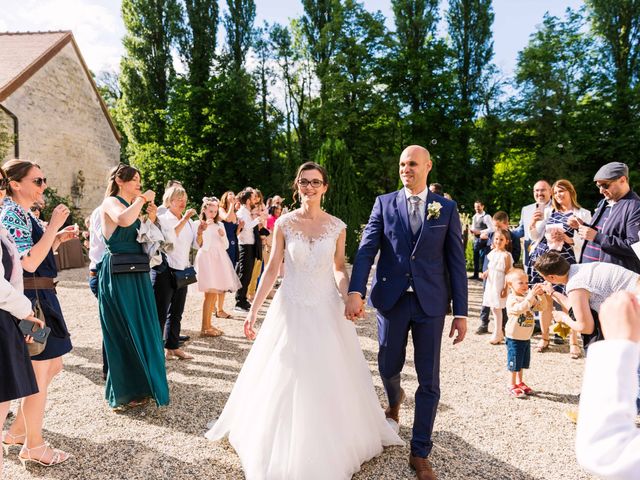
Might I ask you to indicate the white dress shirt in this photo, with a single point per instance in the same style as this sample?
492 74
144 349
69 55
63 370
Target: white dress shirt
97 245
607 440
246 237
422 207
178 257
12 299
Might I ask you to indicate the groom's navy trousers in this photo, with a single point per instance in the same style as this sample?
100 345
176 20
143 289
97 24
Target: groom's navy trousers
393 331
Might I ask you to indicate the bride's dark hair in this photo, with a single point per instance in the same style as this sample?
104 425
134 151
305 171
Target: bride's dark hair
305 167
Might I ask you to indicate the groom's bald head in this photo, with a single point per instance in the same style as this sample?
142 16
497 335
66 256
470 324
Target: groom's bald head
415 165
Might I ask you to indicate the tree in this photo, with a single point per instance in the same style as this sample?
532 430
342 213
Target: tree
147 67
239 27
472 49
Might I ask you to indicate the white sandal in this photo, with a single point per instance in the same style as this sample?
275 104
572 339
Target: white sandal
6 446
57 458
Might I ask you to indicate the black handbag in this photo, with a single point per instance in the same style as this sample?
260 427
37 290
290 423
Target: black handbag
183 278
130 263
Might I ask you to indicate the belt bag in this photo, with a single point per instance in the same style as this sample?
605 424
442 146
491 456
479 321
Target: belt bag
129 263
182 278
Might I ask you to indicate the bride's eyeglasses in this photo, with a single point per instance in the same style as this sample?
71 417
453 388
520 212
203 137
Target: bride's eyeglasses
315 183
39 181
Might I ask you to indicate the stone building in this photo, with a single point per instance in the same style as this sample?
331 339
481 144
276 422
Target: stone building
50 103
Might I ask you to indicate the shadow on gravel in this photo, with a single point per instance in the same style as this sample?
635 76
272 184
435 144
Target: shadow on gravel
453 458
558 397
121 459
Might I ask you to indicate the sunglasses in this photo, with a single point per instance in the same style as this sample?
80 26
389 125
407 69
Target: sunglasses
39 181
605 185
315 183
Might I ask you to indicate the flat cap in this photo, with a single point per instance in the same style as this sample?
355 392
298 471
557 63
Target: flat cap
611 171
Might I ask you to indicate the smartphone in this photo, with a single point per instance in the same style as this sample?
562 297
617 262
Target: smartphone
39 335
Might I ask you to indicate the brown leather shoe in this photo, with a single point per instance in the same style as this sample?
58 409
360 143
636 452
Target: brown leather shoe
393 412
423 469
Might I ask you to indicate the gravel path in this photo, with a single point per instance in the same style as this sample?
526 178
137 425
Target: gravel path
480 433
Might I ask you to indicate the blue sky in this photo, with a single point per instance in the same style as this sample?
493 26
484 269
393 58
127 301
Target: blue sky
98 27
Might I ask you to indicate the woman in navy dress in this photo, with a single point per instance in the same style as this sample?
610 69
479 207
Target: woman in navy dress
231 224
35 245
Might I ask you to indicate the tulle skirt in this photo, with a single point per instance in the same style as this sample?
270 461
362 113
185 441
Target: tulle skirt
304 405
215 271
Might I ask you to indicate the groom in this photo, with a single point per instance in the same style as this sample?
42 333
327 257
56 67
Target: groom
421 267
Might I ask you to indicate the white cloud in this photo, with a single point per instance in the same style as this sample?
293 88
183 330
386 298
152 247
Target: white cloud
96 25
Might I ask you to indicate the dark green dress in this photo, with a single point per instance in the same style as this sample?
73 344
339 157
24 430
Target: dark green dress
130 327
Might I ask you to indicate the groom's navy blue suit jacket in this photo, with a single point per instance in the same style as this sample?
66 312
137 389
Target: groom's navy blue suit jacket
434 266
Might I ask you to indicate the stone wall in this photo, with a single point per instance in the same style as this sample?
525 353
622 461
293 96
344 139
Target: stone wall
64 130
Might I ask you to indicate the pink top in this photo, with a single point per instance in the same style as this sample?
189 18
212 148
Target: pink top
271 220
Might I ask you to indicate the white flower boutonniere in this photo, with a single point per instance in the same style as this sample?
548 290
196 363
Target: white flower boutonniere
433 210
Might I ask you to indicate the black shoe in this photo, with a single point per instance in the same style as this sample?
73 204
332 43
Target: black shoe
242 308
482 330
473 277
184 338
558 340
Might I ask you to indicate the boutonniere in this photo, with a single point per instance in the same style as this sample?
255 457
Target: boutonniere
433 210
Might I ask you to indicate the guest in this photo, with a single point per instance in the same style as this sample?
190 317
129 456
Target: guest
247 248
499 222
35 245
260 234
532 213
616 221
587 287
480 227
17 378
607 439
97 248
162 209
274 213
520 305
232 225
179 230
494 295
130 326
436 188
216 274
554 232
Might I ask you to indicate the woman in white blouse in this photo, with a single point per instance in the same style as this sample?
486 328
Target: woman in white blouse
179 230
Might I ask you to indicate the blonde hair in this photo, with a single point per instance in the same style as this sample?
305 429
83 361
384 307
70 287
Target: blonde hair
171 193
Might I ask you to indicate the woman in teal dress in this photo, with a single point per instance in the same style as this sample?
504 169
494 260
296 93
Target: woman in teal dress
130 327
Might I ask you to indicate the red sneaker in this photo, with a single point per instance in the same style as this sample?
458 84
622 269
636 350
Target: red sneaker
516 392
525 389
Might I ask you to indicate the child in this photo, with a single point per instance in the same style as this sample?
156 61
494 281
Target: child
520 305
494 295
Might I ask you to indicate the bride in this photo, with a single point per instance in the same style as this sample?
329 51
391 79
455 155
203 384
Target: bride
304 405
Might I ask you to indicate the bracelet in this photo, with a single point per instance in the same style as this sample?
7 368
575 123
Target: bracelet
144 199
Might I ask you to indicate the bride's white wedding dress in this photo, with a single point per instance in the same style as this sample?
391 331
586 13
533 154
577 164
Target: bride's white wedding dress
304 406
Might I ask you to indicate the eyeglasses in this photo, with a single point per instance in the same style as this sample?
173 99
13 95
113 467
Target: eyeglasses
39 181
315 183
604 185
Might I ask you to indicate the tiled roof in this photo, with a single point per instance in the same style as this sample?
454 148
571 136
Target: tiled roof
23 53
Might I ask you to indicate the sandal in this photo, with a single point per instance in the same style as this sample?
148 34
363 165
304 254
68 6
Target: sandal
222 314
13 443
525 389
543 345
495 341
178 354
574 351
211 332
516 392
57 456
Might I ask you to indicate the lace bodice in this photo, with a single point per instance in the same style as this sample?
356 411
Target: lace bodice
308 277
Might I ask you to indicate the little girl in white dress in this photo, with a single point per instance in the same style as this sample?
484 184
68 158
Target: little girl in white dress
494 297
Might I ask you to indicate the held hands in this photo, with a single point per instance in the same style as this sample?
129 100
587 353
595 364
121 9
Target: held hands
354 307
459 328
68 233
620 317
59 216
152 211
149 196
574 222
249 322
587 233
189 213
38 322
202 227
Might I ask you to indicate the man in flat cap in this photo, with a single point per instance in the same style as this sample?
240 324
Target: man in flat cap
615 224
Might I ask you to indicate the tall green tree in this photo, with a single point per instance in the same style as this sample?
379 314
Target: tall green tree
470 24
617 24
147 67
